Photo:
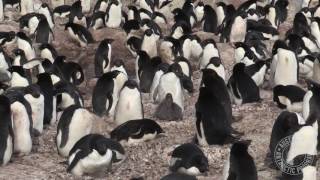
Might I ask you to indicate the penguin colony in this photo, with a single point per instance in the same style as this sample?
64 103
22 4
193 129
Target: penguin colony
39 87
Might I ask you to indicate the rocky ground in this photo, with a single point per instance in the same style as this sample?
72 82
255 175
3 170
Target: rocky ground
148 160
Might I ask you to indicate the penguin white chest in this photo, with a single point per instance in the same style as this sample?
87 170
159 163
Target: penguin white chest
18 80
37 108
46 53
115 16
3 63
238 30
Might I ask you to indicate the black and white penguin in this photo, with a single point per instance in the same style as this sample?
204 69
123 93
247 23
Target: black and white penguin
145 14
282 7
178 176
97 20
129 106
179 29
26 6
43 32
76 16
149 43
79 33
133 13
101 5
242 87
145 70
21 115
150 24
131 27
20 57
44 81
25 43
161 69
240 164
102 59
268 32
224 14
133 44
169 49
6 137
311 100
159 18
19 77
257 71
235 30
114 14
67 95
271 14
119 65
306 66
47 12
62 11
210 50
7 38
71 71
106 92
74 123
210 20
199 10
216 65
47 51
136 131
94 153
190 46
188 159
243 53
289 97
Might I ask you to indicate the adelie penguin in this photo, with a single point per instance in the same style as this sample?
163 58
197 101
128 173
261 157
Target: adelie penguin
25 43
43 32
189 159
161 69
149 43
257 71
62 11
129 105
74 123
94 153
106 92
136 131
19 77
240 164
241 86
169 49
47 12
29 22
209 20
216 65
79 33
102 59
22 122
97 20
71 71
190 46
289 97
145 70
7 38
67 95
210 50
114 14
47 51
6 136
101 5
235 30
76 16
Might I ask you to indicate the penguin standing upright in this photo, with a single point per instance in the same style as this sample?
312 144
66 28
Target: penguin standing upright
236 29
43 32
67 95
79 33
114 14
149 43
25 43
257 72
47 51
47 12
74 123
19 77
216 65
161 69
210 50
189 159
97 20
6 135
70 71
26 6
242 88
129 105
240 163
102 59
209 20
94 153
76 16
106 92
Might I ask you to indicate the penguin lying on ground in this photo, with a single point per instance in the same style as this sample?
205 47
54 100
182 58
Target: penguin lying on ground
289 97
79 33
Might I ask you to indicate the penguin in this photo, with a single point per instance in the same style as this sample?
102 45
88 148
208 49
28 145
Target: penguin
216 65
242 87
285 68
310 100
47 51
159 18
62 11
289 97
315 29
169 49
47 12
97 20
25 43
282 7
149 43
114 14
240 164
285 125
199 11
145 70
224 14
93 153
209 20
133 13
20 57
46 86
131 27
253 14
86 6
119 65
80 34
190 46
102 57
26 6
133 44
71 71
101 5
29 22
242 51
146 4
6 137
179 29
67 95
268 32
161 69
150 24
188 159
19 77
106 92
76 16
306 66
43 32
296 44
22 122
236 30
145 14
7 38
136 131
257 72
129 104
272 15
300 25
178 176
210 50
74 123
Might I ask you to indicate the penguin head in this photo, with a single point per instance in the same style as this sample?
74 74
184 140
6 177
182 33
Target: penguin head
131 84
313 86
239 68
118 63
242 14
216 61
115 2
131 25
148 32
45 6
201 162
185 80
240 147
208 75
33 90
107 41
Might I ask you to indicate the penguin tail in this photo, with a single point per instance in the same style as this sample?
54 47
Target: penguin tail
168 110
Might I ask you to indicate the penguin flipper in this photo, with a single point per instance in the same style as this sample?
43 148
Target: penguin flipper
176 166
80 155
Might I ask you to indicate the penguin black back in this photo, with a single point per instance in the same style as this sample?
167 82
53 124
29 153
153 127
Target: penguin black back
46 86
